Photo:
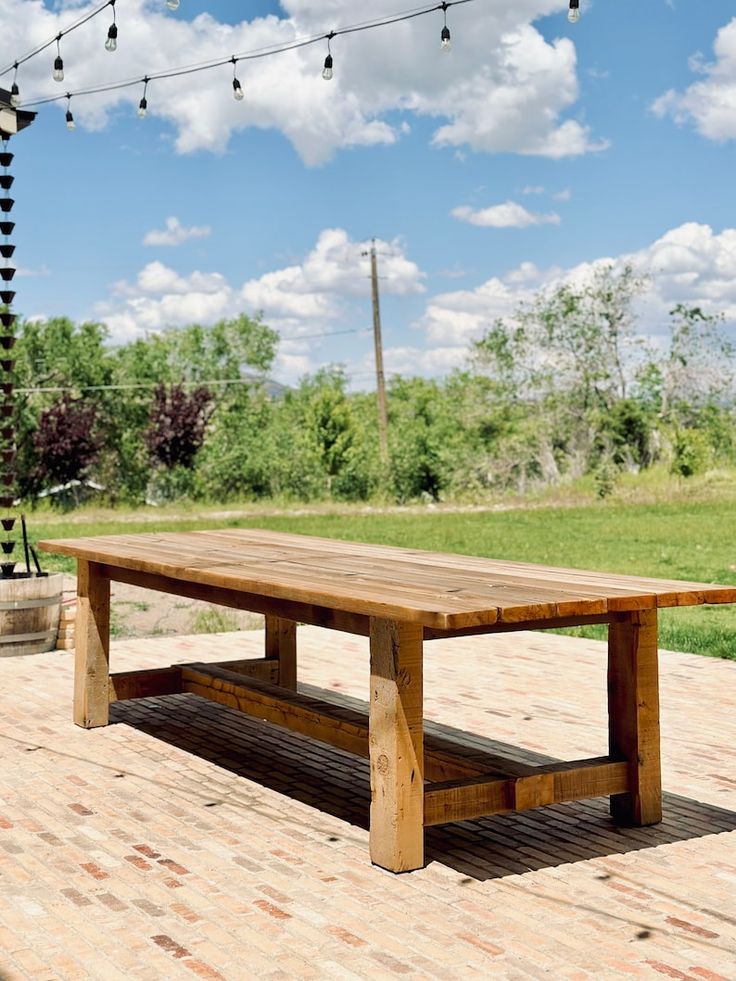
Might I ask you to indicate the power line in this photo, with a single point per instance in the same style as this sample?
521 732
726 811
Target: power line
331 333
236 58
187 384
134 386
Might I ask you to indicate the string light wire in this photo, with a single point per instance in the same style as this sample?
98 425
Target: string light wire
60 34
253 55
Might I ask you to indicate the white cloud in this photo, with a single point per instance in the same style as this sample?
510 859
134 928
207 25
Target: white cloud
422 361
506 89
175 233
507 215
691 264
533 189
709 104
310 297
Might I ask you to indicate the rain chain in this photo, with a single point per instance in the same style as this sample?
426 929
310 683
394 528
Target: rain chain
7 364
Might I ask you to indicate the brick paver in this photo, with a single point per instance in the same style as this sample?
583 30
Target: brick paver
187 841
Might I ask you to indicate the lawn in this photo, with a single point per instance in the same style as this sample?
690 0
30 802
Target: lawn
674 540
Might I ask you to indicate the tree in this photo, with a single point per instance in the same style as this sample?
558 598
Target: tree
54 356
697 369
66 442
423 436
178 424
567 360
224 352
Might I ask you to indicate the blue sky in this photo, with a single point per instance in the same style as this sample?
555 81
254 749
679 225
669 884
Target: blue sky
610 139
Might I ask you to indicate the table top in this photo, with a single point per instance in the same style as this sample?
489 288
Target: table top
443 591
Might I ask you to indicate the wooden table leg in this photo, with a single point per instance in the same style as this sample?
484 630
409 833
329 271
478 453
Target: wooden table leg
92 657
396 744
633 708
281 646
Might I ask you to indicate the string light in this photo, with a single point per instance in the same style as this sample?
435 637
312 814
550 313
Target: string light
327 72
261 53
70 124
143 104
254 55
58 63
47 44
112 34
238 93
445 39
14 90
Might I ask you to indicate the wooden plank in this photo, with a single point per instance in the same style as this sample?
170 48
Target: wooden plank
281 647
589 778
240 600
440 591
293 711
253 667
127 685
322 720
501 627
92 654
396 746
669 588
466 800
633 708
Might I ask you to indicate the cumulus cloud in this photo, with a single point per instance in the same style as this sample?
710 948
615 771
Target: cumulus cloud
311 297
710 103
510 90
329 288
174 233
435 361
691 264
507 215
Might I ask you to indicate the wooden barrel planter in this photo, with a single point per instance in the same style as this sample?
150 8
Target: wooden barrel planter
29 614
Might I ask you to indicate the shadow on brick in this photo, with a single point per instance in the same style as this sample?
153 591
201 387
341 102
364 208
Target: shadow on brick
338 783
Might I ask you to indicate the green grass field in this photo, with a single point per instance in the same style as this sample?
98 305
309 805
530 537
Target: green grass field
674 540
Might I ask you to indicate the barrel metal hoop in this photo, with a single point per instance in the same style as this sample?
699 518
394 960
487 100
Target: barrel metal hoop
21 604
23 638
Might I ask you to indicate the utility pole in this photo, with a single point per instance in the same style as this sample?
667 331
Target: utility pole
380 378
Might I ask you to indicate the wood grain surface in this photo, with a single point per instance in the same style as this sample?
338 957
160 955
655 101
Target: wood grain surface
441 591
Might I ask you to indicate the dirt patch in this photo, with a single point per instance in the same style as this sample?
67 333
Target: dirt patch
136 612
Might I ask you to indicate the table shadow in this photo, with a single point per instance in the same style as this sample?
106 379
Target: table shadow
338 783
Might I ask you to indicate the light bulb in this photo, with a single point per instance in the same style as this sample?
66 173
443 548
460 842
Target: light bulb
143 107
172 4
238 93
327 72
58 69
446 42
112 38
14 95
70 121
573 14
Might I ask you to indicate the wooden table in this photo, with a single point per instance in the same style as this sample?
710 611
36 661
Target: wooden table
399 598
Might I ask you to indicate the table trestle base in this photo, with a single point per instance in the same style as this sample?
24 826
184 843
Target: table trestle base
462 783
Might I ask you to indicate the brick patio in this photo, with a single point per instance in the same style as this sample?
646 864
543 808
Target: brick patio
183 841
